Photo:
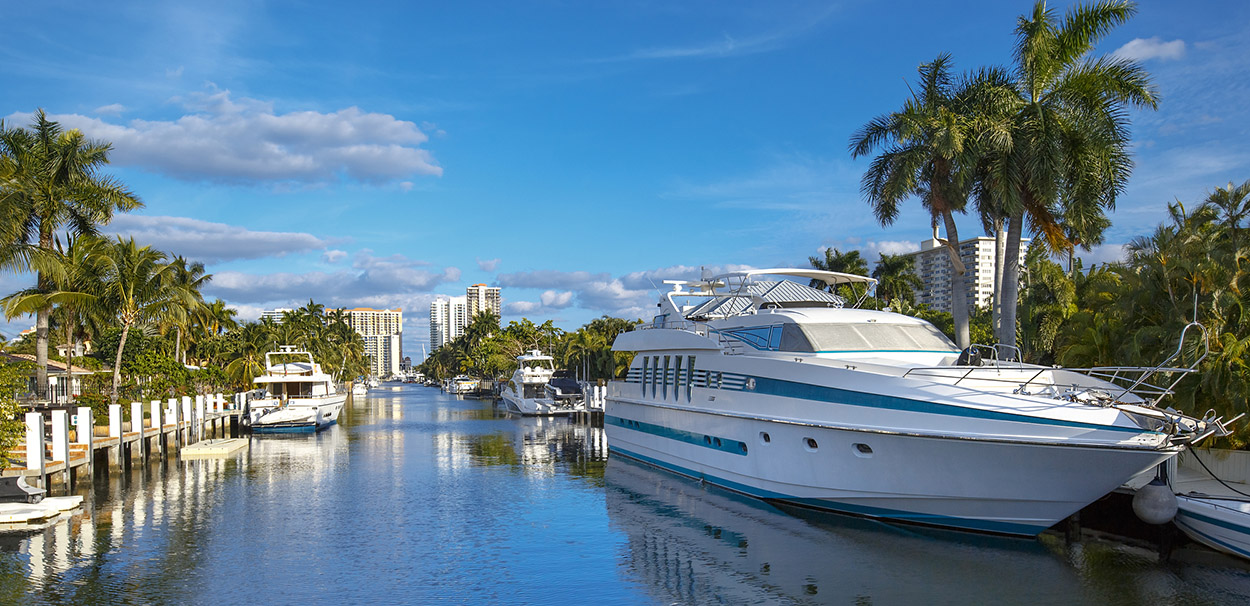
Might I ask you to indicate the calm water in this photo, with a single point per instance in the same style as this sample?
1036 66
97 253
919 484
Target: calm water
419 497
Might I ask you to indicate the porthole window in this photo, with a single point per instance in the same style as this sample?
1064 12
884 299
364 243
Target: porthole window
717 442
743 447
862 451
810 444
765 438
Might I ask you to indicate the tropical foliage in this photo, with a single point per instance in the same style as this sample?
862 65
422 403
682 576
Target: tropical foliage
489 351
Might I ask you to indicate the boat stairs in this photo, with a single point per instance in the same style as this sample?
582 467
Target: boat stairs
62 441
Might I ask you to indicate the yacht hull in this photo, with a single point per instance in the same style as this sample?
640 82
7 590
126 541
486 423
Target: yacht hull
298 416
533 407
996 486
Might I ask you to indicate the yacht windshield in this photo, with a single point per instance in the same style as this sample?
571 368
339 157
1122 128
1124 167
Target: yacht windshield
872 336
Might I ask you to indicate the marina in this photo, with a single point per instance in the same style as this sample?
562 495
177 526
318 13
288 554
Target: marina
413 483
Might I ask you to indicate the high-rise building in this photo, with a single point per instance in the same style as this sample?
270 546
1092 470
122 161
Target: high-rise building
448 318
933 265
383 330
482 298
275 314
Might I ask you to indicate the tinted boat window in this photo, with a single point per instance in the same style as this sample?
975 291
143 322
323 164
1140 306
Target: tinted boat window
793 339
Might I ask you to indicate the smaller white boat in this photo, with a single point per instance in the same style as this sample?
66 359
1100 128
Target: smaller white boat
1213 499
373 382
360 389
537 389
462 384
298 396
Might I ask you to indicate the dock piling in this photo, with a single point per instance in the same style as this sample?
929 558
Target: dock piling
60 441
136 425
85 429
35 447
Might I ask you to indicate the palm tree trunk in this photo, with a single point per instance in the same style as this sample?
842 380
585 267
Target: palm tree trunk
178 346
41 349
959 291
1011 280
1000 253
69 357
117 364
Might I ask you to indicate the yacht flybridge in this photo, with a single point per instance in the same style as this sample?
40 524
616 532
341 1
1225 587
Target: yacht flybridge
782 391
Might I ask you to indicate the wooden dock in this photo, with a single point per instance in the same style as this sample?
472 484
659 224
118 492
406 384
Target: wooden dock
59 445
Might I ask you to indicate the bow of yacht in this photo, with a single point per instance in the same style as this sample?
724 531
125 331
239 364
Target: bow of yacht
785 392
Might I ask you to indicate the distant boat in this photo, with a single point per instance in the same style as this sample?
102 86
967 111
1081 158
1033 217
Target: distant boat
462 385
360 389
531 391
298 396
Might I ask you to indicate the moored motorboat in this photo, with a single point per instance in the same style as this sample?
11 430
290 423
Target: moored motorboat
462 384
780 391
531 392
298 396
1213 498
360 389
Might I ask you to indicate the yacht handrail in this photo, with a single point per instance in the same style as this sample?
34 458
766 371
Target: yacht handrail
1180 345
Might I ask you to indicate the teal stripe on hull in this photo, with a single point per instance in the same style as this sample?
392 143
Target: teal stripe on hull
1216 522
728 445
893 515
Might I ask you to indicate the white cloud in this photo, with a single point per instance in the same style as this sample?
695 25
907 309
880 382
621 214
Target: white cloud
487 264
1145 49
207 241
246 141
114 109
1103 253
548 279
372 281
556 300
334 256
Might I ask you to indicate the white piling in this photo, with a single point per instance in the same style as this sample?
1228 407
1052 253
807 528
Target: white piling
35 447
115 421
136 424
199 416
156 423
60 441
86 435
187 437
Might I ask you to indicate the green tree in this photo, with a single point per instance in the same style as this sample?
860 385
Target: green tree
139 288
49 181
927 151
1061 150
896 278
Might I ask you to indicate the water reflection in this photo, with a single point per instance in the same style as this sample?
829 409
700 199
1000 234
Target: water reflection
417 497
690 543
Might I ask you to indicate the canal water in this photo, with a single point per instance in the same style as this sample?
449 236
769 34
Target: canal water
420 497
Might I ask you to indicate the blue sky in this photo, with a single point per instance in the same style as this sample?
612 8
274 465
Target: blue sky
572 153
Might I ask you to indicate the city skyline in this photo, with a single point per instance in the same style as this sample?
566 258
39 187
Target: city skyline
574 155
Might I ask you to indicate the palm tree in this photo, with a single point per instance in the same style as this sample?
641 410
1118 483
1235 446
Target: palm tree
927 151
139 288
1233 206
50 182
1062 149
896 278
72 271
190 277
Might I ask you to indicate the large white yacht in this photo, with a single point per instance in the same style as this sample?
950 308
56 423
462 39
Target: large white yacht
531 392
778 390
298 396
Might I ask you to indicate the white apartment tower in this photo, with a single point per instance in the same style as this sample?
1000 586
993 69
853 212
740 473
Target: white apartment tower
482 298
448 318
383 330
933 265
